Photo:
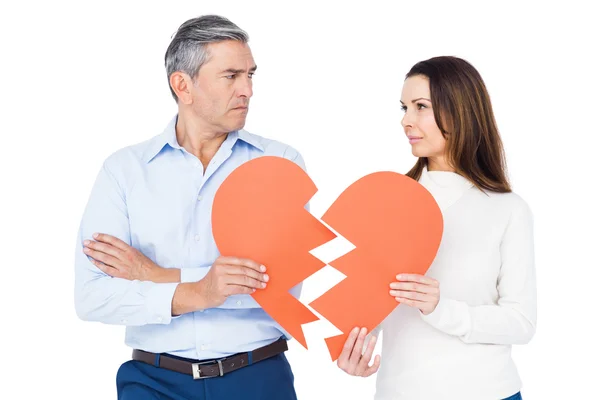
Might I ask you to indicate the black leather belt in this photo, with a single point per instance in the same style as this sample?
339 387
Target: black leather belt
211 368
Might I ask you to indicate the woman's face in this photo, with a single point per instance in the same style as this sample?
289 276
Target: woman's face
424 136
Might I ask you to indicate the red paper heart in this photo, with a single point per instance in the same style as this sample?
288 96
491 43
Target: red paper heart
394 223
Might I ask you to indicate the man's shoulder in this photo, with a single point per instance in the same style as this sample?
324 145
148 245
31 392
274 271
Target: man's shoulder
271 147
129 156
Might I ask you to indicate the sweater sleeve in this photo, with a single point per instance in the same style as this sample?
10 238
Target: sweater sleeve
513 319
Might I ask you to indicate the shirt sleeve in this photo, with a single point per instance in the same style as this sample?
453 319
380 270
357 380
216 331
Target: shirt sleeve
513 319
193 274
98 296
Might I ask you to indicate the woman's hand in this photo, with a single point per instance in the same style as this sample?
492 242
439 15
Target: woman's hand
352 360
417 291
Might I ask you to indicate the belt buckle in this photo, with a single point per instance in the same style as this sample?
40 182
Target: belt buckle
198 374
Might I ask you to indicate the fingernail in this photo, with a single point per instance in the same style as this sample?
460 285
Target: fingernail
86 250
263 285
263 268
266 278
95 235
86 242
399 276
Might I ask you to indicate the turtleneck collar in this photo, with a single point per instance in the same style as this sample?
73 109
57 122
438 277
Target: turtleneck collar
446 187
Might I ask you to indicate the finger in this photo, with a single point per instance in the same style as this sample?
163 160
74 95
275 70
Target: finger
245 262
363 365
411 303
237 289
413 295
105 238
108 270
102 257
244 271
244 280
358 347
417 278
348 346
102 247
373 368
414 287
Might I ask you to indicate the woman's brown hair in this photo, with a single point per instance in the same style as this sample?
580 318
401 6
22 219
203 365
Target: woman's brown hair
463 112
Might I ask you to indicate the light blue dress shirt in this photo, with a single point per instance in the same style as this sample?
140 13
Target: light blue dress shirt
155 197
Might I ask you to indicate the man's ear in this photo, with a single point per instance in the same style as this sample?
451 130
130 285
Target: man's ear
181 84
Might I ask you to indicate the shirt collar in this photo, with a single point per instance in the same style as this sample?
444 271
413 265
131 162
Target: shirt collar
249 138
169 137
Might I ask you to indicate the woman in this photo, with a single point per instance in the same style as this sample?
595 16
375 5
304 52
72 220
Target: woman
451 335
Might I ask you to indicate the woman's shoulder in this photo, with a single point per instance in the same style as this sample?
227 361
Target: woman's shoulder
511 202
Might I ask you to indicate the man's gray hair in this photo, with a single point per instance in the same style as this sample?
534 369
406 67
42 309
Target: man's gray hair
187 51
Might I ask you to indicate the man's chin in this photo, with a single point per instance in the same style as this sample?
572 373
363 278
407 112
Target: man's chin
237 125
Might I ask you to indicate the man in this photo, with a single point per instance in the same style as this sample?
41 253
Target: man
195 331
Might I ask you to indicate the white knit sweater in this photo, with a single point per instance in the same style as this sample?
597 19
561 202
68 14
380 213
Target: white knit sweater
485 266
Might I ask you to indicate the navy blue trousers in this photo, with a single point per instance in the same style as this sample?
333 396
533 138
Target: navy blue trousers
516 396
270 379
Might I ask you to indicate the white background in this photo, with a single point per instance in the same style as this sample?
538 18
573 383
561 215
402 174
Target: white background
82 80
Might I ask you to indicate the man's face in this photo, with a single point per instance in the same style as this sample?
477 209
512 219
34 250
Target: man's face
223 87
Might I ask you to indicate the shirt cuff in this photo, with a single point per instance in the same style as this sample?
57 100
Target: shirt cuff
159 303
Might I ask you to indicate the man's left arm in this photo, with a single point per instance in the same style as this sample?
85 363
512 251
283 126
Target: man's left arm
117 259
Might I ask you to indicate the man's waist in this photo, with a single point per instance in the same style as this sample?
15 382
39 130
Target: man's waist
223 349
200 342
211 368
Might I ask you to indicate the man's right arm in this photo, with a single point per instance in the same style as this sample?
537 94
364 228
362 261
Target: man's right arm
100 297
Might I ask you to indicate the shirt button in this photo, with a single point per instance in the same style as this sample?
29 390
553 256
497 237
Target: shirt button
239 302
199 197
123 321
197 238
159 319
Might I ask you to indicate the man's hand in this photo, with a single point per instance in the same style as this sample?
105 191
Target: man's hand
229 276
117 259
